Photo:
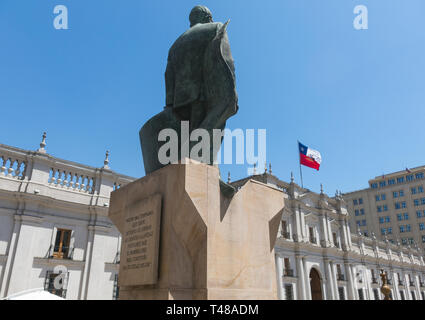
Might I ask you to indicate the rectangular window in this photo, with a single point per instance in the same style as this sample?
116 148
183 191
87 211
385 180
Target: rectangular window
381 220
408 228
377 197
390 230
58 288
420 189
385 207
413 190
419 175
376 294
422 200
341 293
399 217
383 231
360 201
383 197
402 297
403 204
355 202
61 248
391 181
395 194
361 296
289 294
363 222
379 208
362 212
116 289
421 226
284 229
401 229
409 177
382 184
401 193
374 185
400 180
334 238
387 219
406 216
416 202
418 214
356 212
397 205
288 271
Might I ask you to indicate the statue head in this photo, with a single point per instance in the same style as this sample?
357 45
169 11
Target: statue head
200 14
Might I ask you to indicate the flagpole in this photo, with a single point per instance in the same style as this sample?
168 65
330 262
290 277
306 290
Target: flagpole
299 156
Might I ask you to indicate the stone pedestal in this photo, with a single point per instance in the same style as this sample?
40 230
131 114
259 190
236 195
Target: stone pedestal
183 239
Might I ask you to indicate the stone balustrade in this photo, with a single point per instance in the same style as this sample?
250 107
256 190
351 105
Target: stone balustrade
12 164
40 173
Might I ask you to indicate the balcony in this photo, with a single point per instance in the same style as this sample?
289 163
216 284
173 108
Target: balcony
288 273
340 277
66 253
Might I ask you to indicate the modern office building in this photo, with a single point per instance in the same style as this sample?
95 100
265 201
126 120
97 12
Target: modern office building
392 207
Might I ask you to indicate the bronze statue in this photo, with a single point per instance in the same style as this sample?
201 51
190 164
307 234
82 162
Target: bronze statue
200 87
385 288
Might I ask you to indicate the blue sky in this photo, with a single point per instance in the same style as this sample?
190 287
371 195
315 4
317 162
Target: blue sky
303 73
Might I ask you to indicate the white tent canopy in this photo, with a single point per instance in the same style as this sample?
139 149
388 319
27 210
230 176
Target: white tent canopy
33 294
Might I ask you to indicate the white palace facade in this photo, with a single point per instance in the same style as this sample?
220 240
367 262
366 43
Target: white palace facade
54 225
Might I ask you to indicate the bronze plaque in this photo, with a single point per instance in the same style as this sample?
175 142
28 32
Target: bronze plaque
140 242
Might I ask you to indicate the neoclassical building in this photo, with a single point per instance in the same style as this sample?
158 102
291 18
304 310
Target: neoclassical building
317 256
55 234
54 226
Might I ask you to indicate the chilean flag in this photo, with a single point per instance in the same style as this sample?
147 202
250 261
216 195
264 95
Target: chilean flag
309 157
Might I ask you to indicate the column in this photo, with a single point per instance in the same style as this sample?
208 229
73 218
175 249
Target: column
329 280
88 258
307 280
301 276
279 275
4 286
298 232
324 234
350 287
335 280
368 281
328 223
302 224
